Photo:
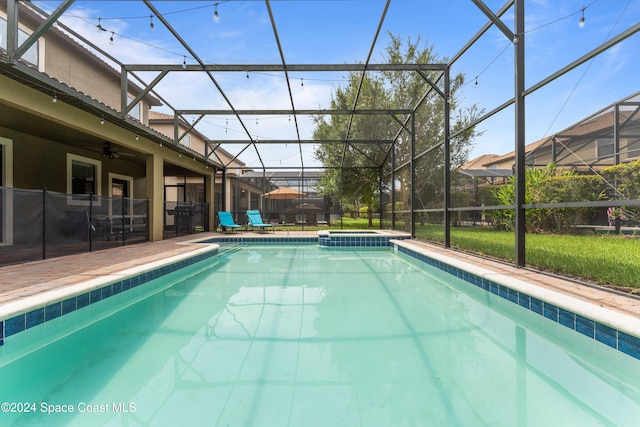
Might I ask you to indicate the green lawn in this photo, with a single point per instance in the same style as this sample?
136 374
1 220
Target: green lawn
608 260
603 259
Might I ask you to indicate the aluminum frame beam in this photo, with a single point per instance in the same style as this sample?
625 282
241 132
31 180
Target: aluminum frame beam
242 68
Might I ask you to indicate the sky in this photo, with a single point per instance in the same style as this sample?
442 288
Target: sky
343 32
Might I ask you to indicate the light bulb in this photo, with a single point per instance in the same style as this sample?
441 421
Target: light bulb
102 120
216 15
55 98
111 38
581 23
153 27
184 63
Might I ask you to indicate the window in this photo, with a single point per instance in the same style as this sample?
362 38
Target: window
83 178
135 111
186 141
31 55
605 147
120 186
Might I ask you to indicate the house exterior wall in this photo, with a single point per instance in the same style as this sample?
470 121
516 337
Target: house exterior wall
196 142
71 64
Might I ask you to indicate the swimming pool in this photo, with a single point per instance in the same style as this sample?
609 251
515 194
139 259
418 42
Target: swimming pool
306 335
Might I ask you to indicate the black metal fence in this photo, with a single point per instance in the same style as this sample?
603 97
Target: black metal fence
39 224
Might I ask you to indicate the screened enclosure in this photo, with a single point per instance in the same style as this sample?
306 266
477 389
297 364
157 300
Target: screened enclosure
396 143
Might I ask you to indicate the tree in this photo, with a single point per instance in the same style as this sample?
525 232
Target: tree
359 167
356 182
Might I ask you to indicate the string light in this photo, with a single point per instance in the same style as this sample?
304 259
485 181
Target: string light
153 27
302 82
99 26
111 38
137 137
184 63
55 97
581 23
476 80
102 120
216 15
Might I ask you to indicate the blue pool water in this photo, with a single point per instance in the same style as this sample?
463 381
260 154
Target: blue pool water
297 335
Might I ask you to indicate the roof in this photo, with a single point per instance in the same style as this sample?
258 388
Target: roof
512 155
486 173
594 125
591 126
158 117
479 161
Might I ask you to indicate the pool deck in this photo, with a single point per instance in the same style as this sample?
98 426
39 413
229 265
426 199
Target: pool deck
34 278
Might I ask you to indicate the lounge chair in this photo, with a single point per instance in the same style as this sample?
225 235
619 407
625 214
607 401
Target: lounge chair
255 220
227 222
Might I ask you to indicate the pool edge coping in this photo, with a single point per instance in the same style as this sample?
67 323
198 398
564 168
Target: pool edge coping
605 316
43 299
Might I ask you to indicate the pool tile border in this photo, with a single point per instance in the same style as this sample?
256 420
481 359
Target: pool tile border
613 329
355 239
266 240
34 316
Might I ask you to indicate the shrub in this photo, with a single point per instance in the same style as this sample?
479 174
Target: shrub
626 179
567 188
548 185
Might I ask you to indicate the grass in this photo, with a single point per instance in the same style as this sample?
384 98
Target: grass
606 260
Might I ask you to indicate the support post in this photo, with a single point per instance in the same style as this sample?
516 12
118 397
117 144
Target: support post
12 30
44 222
412 166
155 191
89 222
393 186
380 188
447 162
520 225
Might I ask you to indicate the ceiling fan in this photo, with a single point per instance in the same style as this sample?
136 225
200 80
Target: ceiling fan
111 153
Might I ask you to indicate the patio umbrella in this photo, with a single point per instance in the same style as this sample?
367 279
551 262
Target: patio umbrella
284 193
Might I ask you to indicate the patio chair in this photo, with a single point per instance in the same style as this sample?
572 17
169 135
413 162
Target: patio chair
255 220
227 222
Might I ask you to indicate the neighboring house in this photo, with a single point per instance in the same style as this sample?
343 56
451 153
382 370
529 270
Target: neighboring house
609 137
61 129
239 194
475 173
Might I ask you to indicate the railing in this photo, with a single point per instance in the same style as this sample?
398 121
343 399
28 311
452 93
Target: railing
39 224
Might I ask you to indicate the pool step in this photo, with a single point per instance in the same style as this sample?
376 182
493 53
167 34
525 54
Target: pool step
229 248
